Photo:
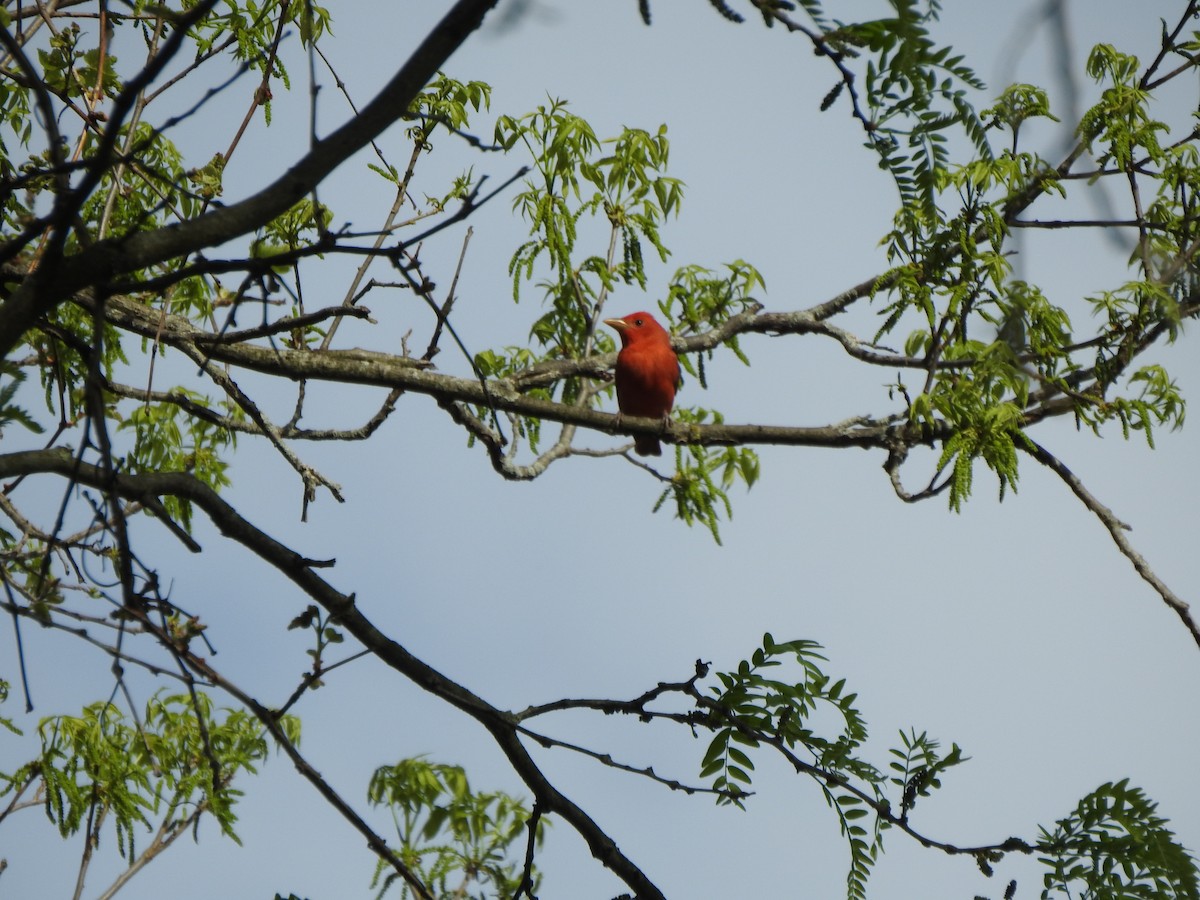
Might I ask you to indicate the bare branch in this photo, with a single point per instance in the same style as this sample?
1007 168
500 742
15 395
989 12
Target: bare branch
1116 528
644 771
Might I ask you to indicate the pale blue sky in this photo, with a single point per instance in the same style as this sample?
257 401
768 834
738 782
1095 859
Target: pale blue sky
1014 629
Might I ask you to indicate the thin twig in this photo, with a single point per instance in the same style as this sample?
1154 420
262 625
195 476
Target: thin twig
1117 529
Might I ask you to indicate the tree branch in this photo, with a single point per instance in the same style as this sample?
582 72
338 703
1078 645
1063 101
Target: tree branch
1116 528
342 608
105 261
368 367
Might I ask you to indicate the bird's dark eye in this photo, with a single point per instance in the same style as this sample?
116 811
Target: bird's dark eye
637 322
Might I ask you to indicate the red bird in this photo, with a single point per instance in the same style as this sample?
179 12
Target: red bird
647 374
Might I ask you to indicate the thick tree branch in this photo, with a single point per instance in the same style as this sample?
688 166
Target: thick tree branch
501 725
106 260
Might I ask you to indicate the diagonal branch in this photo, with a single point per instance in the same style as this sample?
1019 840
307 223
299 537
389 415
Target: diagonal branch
645 771
300 570
104 261
1116 528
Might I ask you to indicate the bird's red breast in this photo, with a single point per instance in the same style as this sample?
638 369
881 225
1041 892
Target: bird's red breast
647 373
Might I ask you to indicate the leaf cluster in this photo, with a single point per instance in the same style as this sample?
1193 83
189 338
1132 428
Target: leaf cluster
167 439
753 704
578 177
69 70
1115 845
814 722
325 634
700 298
703 476
916 92
11 413
459 842
987 341
919 767
177 763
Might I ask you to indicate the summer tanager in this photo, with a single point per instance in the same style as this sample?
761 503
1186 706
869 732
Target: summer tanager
647 374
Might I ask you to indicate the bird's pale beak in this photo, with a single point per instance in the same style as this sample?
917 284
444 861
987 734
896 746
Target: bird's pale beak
619 324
